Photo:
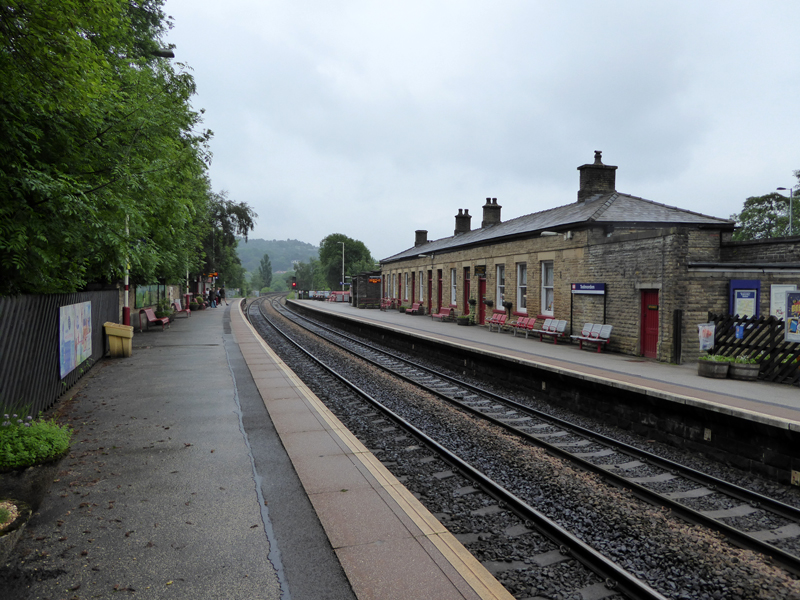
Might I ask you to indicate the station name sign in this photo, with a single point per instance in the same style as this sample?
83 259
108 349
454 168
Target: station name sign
589 288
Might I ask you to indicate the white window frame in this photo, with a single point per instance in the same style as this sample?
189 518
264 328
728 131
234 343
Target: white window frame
421 290
405 287
548 295
522 287
453 287
500 271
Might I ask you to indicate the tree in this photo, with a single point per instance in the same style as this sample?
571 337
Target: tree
767 216
356 255
102 159
265 269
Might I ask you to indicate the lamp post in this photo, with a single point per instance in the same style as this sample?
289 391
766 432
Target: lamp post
791 196
342 243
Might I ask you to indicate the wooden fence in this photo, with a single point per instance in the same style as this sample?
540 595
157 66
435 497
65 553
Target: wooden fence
761 337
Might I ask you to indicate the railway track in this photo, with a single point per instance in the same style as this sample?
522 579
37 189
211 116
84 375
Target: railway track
649 477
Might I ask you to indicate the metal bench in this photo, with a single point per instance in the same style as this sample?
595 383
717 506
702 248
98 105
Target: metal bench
445 312
150 317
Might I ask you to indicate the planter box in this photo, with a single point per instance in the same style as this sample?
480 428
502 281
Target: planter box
713 369
744 372
11 534
30 484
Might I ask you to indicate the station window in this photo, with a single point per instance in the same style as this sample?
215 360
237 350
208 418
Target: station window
547 288
405 287
419 279
501 286
522 286
453 282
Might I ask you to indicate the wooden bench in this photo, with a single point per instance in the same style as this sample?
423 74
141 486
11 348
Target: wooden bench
416 309
176 304
557 329
600 337
445 312
498 319
524 324
151 317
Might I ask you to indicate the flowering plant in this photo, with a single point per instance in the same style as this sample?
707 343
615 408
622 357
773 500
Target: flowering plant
28 441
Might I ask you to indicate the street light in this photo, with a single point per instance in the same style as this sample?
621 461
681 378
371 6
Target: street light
791 195
342 243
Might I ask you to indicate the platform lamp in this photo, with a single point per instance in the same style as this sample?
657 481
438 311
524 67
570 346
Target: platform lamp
126 308
342 243
791 196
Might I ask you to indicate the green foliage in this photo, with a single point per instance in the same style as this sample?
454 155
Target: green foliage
25 442
745 360
102 158
5 515
767 216
265 270
716 358
282 253
357 258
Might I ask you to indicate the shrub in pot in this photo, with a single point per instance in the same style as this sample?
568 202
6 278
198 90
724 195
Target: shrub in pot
714 366
744 368
14 515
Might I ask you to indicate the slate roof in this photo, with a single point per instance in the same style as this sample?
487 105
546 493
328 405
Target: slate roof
611 208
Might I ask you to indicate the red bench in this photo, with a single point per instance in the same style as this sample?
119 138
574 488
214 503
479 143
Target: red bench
176 304
524 324
498 319
416 309
445 312
151 317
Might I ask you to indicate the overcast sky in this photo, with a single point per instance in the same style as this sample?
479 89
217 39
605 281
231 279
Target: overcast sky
376 118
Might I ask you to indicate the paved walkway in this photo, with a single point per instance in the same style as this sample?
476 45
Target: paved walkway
761 401
202 467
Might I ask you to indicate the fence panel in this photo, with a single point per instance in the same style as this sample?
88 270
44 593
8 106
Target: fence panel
764 337
30 372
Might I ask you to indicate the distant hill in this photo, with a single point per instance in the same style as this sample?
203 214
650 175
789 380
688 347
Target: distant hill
281 253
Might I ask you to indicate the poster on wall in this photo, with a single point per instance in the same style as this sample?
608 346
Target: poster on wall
744 303
777 299
792 331
75 336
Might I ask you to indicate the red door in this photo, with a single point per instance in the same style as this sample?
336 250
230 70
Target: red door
439 289
481 305
649 320
413 288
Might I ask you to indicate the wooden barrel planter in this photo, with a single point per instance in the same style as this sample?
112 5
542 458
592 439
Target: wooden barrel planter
712 369
744 372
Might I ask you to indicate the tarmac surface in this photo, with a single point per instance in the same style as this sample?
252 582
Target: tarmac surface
158 497
202 467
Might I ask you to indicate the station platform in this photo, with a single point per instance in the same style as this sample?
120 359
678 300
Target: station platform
202 467
770 403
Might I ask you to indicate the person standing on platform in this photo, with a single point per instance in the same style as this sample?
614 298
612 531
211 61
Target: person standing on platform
222 295
212 298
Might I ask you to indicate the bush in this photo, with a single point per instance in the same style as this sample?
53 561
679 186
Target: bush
716 358
26 442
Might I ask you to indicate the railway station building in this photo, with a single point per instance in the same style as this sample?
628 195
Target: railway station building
652 271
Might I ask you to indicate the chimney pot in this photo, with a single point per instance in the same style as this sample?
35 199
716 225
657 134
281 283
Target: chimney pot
491 213
463 221
421 237
596 178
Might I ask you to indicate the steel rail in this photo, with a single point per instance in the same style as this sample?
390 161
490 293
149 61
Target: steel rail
789 561
616 577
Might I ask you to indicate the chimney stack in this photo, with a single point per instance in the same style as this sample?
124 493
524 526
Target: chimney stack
421 237
491 213
596 178
463 221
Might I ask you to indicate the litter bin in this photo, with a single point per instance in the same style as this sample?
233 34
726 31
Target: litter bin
119 339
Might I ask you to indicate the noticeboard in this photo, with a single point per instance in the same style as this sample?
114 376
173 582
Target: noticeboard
744 303
777 299
480 270
792 332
